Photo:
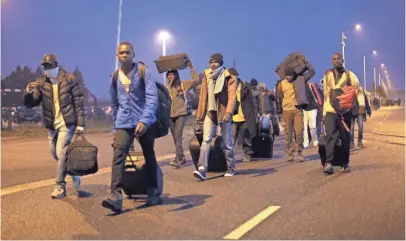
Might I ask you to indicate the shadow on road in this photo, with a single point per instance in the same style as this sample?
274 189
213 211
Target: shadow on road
187 201
257 172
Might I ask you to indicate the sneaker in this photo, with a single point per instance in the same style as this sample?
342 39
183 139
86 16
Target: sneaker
114 203
153 197
305 145
200 174
59 192
177 164
346 169
230 172
360 145
300 157
290 158
328 169
76 182
246 158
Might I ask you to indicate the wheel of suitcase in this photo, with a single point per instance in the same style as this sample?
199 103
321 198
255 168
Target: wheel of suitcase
135 176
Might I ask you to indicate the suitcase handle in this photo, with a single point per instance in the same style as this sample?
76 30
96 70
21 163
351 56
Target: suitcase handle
79 135
132 161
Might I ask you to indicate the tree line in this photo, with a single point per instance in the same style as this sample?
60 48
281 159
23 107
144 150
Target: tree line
21 76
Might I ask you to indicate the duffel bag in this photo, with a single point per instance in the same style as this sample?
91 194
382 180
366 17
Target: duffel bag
81 157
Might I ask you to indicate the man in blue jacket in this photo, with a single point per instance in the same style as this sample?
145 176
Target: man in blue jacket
134 103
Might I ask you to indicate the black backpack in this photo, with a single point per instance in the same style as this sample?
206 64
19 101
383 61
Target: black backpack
81 157
163 112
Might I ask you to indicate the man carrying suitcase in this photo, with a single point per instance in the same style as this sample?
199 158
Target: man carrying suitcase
216 106
338 125
134 104
64 113
245 118
291 113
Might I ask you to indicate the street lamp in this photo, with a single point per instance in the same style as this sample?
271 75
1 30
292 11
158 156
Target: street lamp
164 36
120 6
343 38
374 53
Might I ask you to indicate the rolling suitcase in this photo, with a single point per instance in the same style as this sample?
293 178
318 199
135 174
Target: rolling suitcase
217 160
135 175
262 146
170 62
338 156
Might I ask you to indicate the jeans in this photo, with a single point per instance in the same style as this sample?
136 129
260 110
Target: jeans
209 130
177 125
123 140
293 124
335 129
310 121
59 141
239 131
360 122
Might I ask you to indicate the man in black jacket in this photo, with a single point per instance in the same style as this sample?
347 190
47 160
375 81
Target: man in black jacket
64 113
245 117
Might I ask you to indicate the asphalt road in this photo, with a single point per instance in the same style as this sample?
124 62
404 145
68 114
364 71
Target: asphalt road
368 203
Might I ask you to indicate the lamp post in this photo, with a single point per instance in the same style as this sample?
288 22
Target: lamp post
374 53
164 36
120 6
343 38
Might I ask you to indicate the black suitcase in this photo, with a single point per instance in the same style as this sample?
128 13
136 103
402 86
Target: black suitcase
176 61
338 153
294 60
262 146
135 176
217 160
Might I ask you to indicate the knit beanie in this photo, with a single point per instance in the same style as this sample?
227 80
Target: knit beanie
217 57
253 82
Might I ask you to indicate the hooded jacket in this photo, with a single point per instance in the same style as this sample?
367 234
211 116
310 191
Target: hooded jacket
178 89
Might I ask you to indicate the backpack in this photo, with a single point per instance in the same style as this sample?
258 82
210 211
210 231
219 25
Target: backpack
343 99
163 112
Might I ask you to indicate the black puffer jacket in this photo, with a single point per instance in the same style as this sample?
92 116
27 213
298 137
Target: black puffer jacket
71 99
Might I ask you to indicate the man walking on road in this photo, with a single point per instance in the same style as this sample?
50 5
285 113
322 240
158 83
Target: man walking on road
134 103
216 107
291 114
64 113
337 125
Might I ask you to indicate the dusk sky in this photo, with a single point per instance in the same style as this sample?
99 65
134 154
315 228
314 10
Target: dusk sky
258 34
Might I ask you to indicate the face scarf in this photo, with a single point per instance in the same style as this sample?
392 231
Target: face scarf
52 73
216 72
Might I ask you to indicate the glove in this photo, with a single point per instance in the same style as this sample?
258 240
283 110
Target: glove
361 110
79 130
140 129
227 117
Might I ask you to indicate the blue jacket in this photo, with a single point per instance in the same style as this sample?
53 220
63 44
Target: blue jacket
138 105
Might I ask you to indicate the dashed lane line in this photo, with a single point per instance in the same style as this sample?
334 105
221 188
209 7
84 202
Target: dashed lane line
252 223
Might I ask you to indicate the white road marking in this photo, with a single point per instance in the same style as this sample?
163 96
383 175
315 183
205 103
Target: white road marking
49 182
252 223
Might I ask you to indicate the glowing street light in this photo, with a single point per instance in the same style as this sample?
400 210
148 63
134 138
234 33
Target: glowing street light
358 26
382 65
164 36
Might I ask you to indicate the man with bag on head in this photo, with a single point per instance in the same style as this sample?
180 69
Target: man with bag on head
63 109
216 107
134 104
341 90
181 108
